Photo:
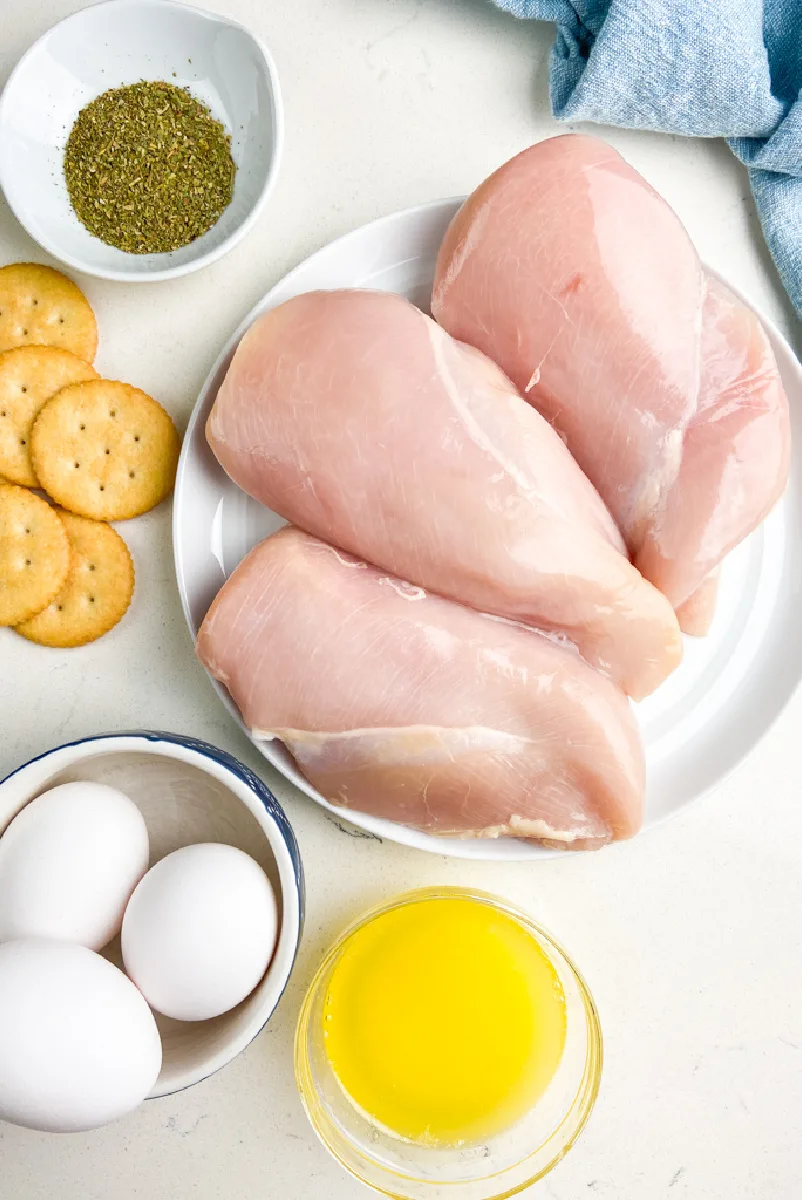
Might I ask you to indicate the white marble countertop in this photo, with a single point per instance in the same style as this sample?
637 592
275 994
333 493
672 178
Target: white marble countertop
689 936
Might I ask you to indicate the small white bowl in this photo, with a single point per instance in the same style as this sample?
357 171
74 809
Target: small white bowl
121 42
188 791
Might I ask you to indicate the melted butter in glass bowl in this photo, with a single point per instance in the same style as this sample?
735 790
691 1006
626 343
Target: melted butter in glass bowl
448 1040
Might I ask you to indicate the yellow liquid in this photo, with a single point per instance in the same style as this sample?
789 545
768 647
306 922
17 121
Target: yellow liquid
444 1020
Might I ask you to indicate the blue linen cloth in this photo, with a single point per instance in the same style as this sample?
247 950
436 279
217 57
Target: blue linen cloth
708 68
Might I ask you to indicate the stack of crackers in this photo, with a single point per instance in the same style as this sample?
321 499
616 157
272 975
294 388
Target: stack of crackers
101 450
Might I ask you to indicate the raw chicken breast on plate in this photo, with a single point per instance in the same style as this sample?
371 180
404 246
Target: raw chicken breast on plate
355 417
570 271
401 704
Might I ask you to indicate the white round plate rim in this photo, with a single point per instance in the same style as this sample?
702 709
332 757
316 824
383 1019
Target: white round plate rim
768 547
153 274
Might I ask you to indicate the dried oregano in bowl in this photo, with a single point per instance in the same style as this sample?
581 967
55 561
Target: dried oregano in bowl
148 168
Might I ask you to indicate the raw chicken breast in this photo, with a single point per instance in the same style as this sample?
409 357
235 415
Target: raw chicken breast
735 455
695 616
402 704
358 419
578 279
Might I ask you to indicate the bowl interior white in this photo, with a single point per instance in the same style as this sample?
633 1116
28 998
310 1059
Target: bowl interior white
123 42
184 799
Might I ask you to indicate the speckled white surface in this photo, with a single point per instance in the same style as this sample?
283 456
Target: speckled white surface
688 936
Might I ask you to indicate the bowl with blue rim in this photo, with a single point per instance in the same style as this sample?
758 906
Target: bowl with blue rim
188 791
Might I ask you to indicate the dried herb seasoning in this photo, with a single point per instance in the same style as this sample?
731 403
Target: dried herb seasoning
148 168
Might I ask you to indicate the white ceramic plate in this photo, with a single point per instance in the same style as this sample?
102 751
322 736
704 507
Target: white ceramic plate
696 728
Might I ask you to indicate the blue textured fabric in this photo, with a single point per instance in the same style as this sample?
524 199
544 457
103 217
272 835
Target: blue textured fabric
709 68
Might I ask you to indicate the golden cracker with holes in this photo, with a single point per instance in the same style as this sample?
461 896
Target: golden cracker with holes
41 307
29 377
34 554
97 592
105 450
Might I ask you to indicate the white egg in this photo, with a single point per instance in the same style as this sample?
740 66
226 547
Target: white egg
79 1046
199 931
69 862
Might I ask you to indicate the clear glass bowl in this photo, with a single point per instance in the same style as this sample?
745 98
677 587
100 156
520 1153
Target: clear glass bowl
495 1168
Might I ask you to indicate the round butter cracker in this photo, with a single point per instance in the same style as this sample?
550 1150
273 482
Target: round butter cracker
97 590
34 554
41 307
29 377
105 450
